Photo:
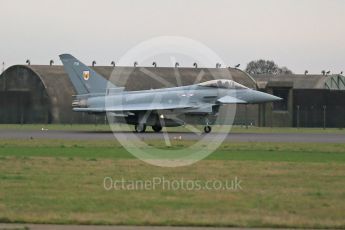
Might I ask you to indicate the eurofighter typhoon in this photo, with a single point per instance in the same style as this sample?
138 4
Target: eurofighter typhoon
157 107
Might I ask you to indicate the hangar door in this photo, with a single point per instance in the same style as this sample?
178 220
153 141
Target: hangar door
23 107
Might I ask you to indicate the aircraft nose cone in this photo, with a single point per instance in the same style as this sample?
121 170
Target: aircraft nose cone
265 97
274 98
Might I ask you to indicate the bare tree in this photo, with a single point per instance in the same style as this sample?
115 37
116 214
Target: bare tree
266 67
285 70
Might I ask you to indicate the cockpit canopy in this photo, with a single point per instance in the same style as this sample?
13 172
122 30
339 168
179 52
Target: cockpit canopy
223 84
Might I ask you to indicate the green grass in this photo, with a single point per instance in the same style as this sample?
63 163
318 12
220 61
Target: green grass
283 185
298 152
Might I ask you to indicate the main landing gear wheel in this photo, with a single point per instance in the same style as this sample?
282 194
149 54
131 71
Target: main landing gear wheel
157 128
207 129
140 128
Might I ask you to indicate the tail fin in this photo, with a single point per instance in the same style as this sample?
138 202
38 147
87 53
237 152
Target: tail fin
84 79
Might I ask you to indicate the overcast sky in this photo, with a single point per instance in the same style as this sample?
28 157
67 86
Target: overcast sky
299 34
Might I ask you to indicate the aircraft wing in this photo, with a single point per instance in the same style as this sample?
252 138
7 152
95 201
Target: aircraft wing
231 100
133 107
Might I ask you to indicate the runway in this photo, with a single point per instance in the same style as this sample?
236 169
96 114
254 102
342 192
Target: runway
231 137
99 227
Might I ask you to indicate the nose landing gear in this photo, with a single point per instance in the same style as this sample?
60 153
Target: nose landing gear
207 129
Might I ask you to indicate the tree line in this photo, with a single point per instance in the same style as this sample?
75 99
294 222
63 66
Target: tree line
266 67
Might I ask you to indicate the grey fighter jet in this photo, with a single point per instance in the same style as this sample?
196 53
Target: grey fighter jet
157 107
